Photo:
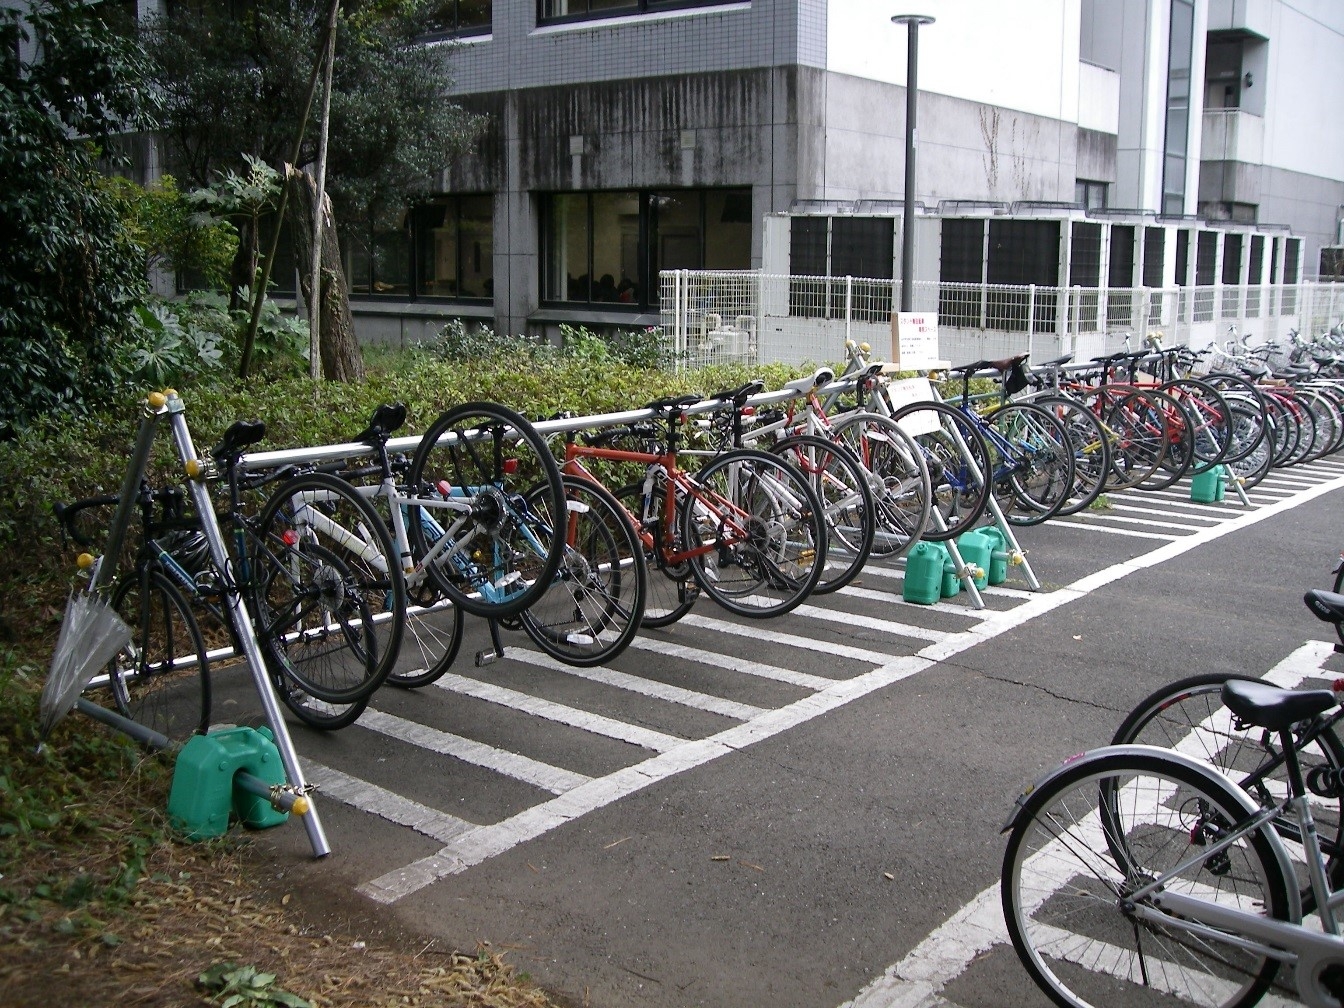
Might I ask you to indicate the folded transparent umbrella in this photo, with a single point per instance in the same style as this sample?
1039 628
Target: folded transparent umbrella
91 633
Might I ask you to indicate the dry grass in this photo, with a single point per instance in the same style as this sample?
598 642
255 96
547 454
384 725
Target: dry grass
100 904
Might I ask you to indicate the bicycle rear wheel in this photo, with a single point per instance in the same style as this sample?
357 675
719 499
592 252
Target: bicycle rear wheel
1094 833
1188 716
1034 468
758 531
898 478
1091 451
330 595
594 606
958 461
161 680
670 594
470 525
841 483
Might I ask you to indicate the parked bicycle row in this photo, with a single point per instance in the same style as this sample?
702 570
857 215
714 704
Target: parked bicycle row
358 568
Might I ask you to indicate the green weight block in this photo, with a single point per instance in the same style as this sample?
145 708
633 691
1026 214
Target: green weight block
203 798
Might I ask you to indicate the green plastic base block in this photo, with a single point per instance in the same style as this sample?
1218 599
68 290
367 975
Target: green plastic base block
203 800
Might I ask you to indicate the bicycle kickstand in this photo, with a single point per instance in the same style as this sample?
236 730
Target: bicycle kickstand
496 649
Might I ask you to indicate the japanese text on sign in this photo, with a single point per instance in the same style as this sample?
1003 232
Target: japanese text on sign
914 340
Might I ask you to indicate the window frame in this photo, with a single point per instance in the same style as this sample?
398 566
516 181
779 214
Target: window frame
632 8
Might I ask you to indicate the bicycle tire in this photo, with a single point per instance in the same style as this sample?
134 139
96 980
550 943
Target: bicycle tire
1208 413
432 639
314 711
161 680
764 528
1094 832
1180 455
1039 481
312 622
842 484
1255 466
594 606
670 592
957 477
465 471
1325 417
1306 425
1091 451
898 477
1137 449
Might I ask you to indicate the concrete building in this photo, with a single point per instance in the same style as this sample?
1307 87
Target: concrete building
627 137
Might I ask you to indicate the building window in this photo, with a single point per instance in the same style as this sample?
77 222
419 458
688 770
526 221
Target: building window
380 262
1085 255
455 247
1091 195
550 11
1176 144
609 247
1154 255
458 17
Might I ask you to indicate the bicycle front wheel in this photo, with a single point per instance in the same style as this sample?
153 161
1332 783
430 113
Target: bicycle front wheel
595 603
902 494
469 523
841 483
1034 470
1088 838
670 593
755 532
1091 451
161 680
958 461
330 593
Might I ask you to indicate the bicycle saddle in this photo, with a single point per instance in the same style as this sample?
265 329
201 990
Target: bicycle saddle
1326 605
1273 707
386 418
823 376
739 395
240 435
670 404
1057 362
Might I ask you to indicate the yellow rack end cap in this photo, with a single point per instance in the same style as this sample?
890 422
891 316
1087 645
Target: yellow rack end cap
85 560
193 469
157 400
301 806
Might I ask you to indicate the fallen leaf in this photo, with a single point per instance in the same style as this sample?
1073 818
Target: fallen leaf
718 857
889 876
615 842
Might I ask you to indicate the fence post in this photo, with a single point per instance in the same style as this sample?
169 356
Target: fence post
1031 315
849 306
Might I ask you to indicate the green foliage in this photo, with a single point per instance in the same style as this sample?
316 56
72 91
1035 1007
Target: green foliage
71 274
177 231
234 986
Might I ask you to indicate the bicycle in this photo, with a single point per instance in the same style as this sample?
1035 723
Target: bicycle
1134 874
747 528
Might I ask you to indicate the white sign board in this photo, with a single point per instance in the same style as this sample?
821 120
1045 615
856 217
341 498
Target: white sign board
911 390
914 341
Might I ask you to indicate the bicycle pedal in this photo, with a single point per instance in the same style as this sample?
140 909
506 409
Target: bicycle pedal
486 657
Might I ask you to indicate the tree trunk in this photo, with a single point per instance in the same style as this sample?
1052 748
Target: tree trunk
243 271
341 359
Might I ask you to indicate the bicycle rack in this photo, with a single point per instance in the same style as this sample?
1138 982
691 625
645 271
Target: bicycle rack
170 404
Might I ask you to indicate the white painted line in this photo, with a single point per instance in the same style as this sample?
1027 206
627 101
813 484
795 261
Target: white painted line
1076 522
978 926
871 623
734 664
1159 512
854 591
486 841
510 764
383 803
551 711
635 684
1213 509
1105 515
759 632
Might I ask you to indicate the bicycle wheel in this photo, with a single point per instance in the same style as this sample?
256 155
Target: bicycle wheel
314 711
758 530
1180 433
1255 466
842 484
1102 829
1207 412
1138 445
1306 426
898 478
1034 463
1091 451
432 638
1189 716
958 460
593 608
670 593
469 524
1325 417
161 680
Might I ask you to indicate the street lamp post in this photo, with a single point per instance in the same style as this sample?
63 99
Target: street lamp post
912 23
